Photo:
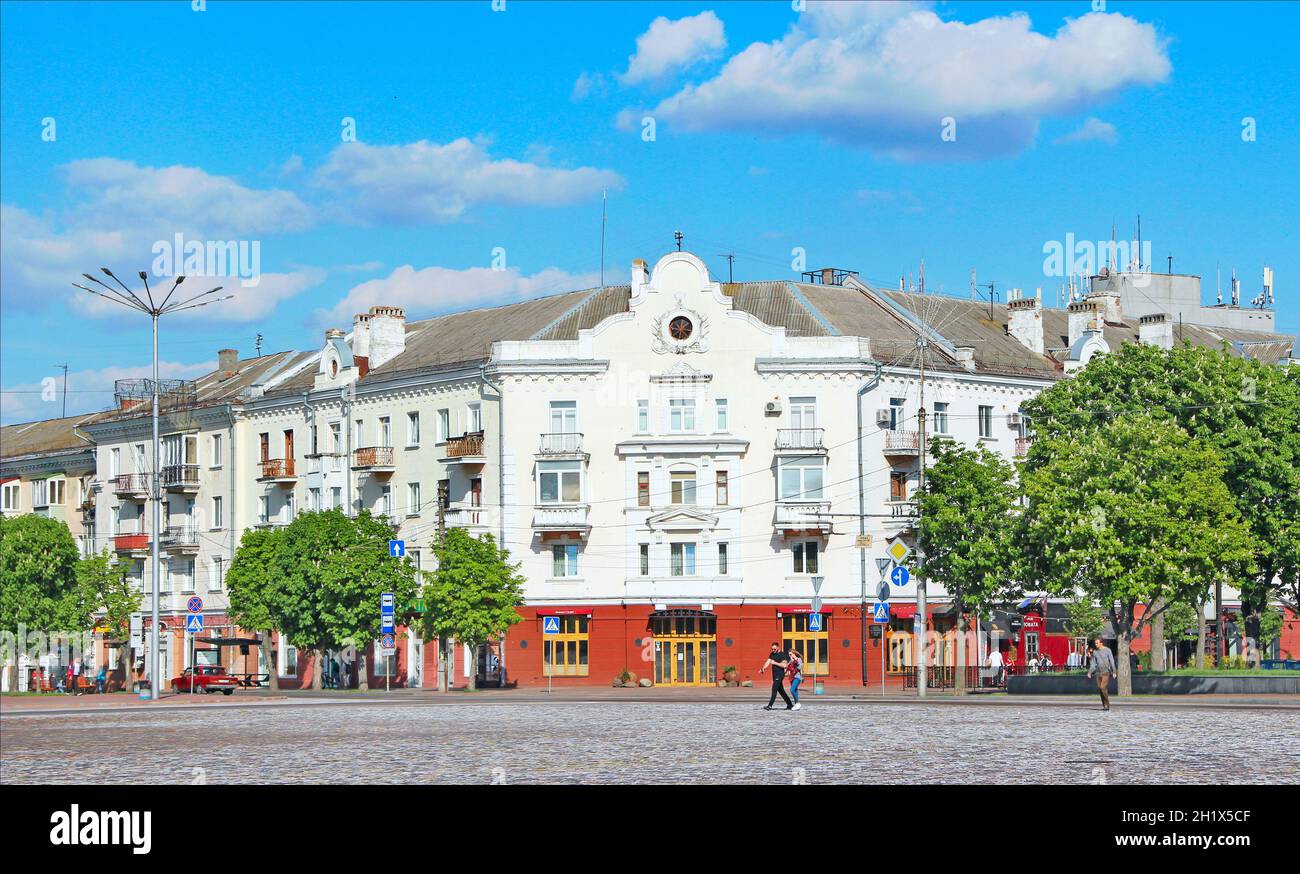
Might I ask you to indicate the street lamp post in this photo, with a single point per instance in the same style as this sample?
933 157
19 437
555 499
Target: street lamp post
154 310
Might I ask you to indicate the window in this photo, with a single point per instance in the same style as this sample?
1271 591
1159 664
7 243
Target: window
681 414
643 488
56 491
805 556
358 433
986 421
895 413
564 560
10 496
564 417
385 505
683 559
413 499
474 418
721 491
263 509
286 514
215 571
559 482
645 559
115 462
263 446
643 417
315 441
683 486
288 659
140 465
216 450
444 425
803 413
185 570
940 417
336 446
385 431
565 654
413 556
336 498
813 646
898 485
412 429
722 559
218 512
720 411
801 478
313 500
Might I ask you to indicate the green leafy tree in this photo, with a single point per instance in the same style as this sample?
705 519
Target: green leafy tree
473 594
1181 621
967 522
1248 411
1084 619
251 584
1134 512
106 596
38 576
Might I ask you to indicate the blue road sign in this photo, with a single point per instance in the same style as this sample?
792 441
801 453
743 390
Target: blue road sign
388 642
194 604
397 548
386 602
899 576
815 622
386 622
880 612
551 625
194 623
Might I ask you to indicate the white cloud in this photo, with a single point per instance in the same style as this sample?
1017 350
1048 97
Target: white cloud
588 84
433 290
884 76
432 182
1092 129
114 214
669 46
88 390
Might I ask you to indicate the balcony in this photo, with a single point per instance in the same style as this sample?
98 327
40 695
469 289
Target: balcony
373 459
903 443
1022 446
569 518
182 478
277 470
465 449
131 544
562 444
476 520
901 515
180 540
803 517
131 486
269 523
801 440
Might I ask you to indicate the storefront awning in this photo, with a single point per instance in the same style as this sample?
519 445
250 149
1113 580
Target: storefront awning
563 611
802 609
230 641
683 612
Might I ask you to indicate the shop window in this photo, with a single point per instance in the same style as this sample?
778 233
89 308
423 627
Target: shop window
565 654
814 646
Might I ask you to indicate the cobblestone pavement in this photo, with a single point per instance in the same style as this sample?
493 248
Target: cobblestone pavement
671 742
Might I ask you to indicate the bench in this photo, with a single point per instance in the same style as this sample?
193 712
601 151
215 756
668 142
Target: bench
85 684
253 680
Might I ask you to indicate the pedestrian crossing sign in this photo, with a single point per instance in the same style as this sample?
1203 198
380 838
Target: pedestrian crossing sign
550 625
880 612
815 622
194 623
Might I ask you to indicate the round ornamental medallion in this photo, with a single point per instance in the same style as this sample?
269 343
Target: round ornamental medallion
680 328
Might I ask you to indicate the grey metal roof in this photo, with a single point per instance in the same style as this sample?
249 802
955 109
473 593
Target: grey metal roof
49 435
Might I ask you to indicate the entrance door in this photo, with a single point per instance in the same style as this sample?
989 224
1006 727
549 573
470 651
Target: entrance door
686 650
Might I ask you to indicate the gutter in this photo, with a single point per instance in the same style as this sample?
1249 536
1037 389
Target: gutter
867 386
501 491
234 480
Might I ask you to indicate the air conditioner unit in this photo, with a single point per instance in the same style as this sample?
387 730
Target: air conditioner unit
1015 420
883 416
772 407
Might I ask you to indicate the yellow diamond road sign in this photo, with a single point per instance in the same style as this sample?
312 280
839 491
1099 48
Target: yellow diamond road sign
898 550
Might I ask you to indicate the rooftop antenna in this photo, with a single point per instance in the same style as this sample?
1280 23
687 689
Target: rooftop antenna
1111 260
1170 269
677 235
1234 291
922 276
1268 286
603 194
730 256
972 283
1139 247
992 296
65 383
257 341
1218 285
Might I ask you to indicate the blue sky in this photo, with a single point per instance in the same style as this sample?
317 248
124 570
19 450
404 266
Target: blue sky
484 139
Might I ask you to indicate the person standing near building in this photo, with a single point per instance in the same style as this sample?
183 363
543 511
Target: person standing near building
74 678
100 678
995 665
795 670
777 660
1103 665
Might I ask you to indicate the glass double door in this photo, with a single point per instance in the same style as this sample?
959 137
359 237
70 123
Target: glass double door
686 661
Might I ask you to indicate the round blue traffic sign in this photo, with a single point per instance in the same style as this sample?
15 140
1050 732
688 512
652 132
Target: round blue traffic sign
195 604
899 576
387 641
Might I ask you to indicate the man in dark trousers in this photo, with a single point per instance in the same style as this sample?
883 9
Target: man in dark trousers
777 660
1103 665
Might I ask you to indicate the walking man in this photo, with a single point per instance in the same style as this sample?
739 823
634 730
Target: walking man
1103 665
777 660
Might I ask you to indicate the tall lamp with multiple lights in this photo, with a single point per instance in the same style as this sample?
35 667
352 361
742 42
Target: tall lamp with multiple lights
154 310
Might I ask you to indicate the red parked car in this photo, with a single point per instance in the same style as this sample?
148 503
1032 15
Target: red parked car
211 678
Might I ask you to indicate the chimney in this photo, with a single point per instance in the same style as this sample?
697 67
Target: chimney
640 276
1084 315
361 335
1156 329
385 335
333 334
227 362
1025 321
1106 294
966 356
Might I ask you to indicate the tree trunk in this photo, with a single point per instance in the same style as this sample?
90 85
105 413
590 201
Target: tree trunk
318 667
959 638
1158 637
1200 634
440 664
472 682
363 674
272 674
1125 671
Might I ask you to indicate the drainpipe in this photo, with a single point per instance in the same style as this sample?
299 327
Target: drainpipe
501 485
345 408
234 480
867 386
